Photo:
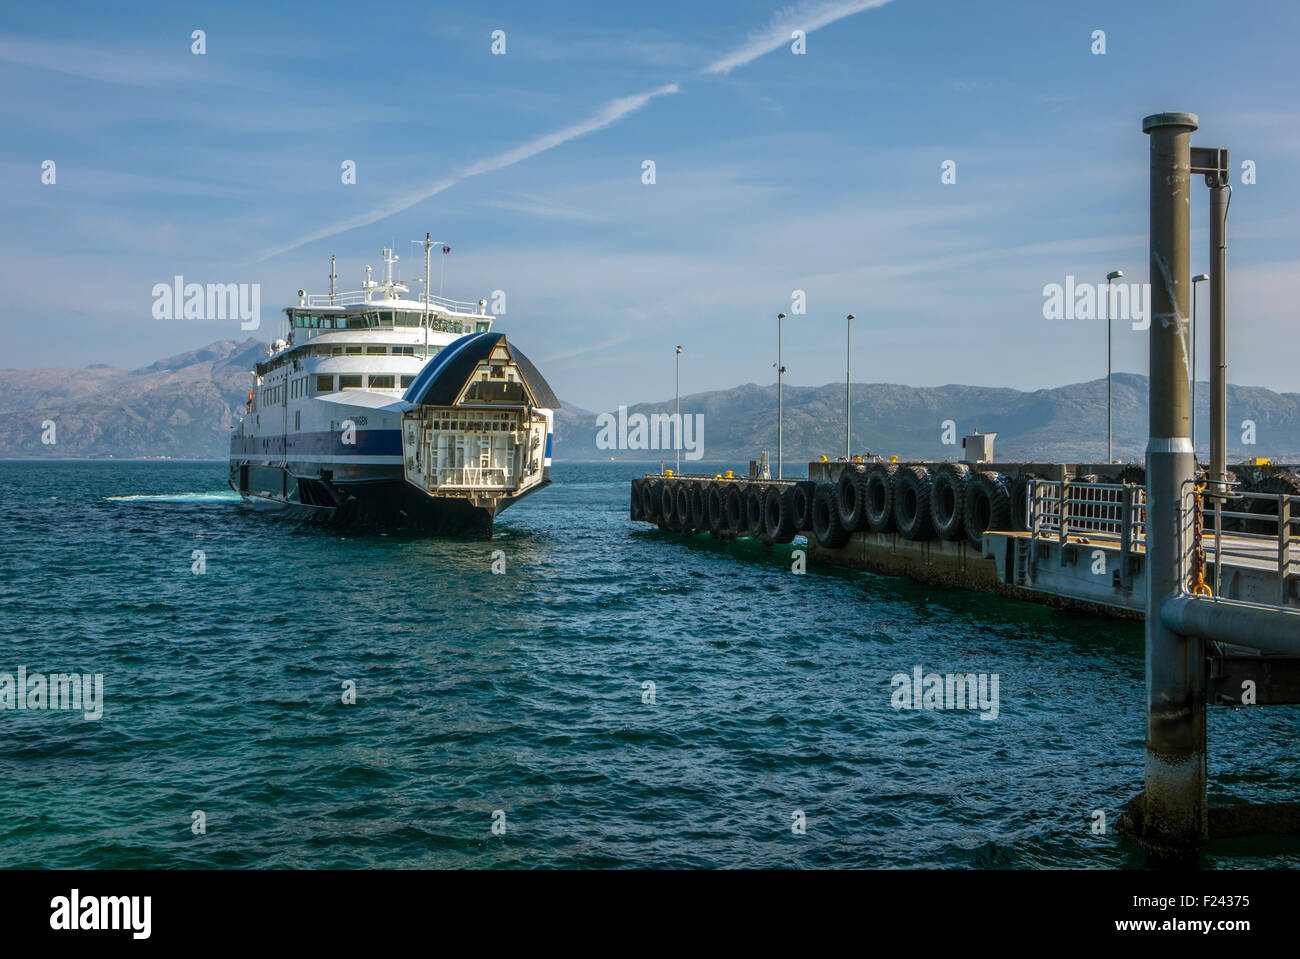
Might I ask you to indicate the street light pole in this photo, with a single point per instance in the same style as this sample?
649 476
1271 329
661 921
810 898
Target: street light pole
1112 275
1198 278
677 429
780 410
848 385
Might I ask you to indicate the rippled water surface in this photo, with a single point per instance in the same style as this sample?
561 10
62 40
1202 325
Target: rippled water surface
523 692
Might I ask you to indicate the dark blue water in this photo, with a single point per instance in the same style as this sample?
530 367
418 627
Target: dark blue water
522 692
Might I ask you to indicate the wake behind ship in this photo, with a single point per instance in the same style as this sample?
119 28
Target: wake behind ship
387 411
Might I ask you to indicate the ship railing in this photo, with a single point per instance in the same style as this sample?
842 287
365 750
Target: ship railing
493 479
365 297
1103 513
1224 522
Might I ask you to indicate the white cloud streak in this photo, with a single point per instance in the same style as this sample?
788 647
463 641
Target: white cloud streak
804 16
610 113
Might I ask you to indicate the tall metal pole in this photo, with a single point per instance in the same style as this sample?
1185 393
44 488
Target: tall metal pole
1110 455
1196 280
848 385
427 244
1174 813
780 375
1219 198
677 429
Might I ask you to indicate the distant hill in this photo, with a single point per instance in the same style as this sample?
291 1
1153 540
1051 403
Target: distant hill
183 407
1066 423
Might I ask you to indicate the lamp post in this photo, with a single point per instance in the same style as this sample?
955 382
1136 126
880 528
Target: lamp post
848 386
1112 275
1198 278
780 409
677 428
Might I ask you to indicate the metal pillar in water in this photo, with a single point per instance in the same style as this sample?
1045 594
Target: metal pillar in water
1219 325
1174 801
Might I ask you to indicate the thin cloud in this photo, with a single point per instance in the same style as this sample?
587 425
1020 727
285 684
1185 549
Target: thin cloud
804 16
609 114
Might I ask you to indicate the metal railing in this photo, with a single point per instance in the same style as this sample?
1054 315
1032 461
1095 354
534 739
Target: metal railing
1073 513
364 298
1097 512
1259 537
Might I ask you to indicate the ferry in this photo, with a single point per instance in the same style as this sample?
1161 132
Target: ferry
379 409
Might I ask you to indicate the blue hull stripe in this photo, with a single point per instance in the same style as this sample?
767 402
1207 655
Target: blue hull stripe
369 443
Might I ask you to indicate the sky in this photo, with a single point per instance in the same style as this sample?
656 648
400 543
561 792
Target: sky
775 171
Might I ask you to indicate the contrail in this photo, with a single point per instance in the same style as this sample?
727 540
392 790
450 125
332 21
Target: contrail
804 16
610 113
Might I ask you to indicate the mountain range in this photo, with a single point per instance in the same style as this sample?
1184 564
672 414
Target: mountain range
183 407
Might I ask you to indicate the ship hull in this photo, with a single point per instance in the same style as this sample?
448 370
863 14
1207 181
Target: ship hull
378 504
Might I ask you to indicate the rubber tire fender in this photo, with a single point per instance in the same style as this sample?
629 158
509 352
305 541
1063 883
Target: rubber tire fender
879 502
715 505
635 507
828 529
735 506
801 505
848 498
684 518
754 509
778 514
988 505
912 485
699 510
948 500
668 517
650 500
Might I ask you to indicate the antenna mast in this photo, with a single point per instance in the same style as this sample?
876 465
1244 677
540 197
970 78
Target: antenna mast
427 244
333 277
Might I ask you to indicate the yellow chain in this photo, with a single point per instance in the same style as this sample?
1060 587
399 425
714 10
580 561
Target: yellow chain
1199 587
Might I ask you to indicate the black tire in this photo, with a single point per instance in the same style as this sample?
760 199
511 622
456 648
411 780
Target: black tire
1261 498
634 507
754 509
801 505
828 529
778 514
988 505
912 486
684 518
699 512
948 500
1020 501
1137 475
849 499
668 517
715 506
879 501
734 501
650 501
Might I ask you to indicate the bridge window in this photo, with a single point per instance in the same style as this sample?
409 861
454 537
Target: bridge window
376 350
325 384
407 381
381 381
349 381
